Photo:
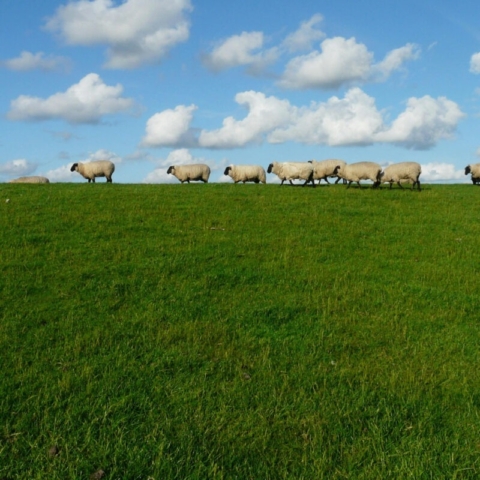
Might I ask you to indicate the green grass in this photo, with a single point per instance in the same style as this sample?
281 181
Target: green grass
239 332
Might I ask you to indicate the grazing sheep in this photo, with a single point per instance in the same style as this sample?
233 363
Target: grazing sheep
185 173
91 170
325 168
359 171
246 173
34 179
292 171
402 172
474 169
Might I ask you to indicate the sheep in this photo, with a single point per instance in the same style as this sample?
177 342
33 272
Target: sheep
474 169
33 179
325 168
91 170
402 172
185 173
246 173
359 171
292 171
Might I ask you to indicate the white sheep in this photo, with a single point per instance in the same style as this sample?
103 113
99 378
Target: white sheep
324 168
246 173
33 179
292 171
402 172
355 172
92 170
474 169
185 173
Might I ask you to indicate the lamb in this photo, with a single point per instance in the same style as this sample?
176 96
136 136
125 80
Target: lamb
246 173
474 169
325 168
33 179
402 172
355 172
91 170
185 173
292 171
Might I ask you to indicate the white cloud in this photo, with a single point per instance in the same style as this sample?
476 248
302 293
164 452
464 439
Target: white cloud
85 102
136 32
181 156
395 59
303 38
425 121
475 63
103 154
264 114
62 174
17 168
342 61
238 50
37 61
441 172
352 120
170 128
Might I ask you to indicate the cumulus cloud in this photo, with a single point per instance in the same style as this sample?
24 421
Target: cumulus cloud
85 102
181 156
441 172
424 122
352 120
342 61
37 61
240 50
170 128
264 114
394 60
303 38
62 174
136 32
103 154
17 168
475 63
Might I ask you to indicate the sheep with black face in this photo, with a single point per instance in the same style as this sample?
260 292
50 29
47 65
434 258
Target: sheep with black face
246 173
193 172
92 170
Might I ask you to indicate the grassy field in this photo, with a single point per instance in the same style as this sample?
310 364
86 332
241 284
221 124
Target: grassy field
239 332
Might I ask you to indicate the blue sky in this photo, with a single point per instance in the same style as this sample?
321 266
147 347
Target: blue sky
151 83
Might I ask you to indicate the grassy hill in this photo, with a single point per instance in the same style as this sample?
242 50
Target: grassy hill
239 331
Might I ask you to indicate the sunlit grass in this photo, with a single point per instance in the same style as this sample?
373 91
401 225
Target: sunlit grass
231 331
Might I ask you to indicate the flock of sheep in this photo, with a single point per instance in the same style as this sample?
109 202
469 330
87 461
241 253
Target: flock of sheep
404 172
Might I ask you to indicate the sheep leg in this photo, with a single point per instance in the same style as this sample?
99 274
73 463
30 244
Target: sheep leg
400 185
348 186
282 182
